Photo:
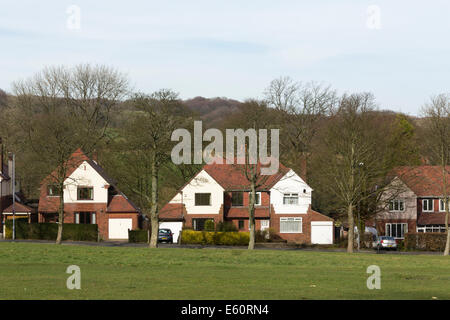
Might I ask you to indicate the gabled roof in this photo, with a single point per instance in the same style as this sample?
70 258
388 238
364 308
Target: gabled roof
424 181
18 208
172 211
120 203
117 203
232 176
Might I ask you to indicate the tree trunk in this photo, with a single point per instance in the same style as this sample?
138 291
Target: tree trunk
447 244
251 218
60 215
351 228
154 209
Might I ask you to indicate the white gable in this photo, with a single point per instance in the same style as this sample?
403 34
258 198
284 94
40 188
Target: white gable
291 183
85 175
201 183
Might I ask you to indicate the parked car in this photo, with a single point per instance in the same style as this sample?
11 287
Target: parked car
385 242
165 235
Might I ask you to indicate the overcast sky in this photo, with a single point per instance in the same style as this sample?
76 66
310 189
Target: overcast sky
399 50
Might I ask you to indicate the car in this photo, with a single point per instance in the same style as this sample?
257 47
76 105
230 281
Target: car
385 242
165 235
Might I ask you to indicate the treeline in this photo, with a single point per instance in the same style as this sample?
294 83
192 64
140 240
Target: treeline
343 145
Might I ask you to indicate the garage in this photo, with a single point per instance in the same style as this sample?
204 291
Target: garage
175 227
118 228
322 232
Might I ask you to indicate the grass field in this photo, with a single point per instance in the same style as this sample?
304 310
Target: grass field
38 271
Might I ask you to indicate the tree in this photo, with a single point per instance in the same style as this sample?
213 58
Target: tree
62 109
437 113
301 108
349 159
148 137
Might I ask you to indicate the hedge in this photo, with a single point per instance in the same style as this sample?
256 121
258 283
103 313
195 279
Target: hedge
49 231
215 238
137 236
425 241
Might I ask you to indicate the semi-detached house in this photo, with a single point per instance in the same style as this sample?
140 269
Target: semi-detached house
220 192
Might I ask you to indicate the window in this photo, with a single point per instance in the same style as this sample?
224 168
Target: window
427 205
241 224
52 190
396 205
203 199
291 225
290 198
441 205
396 230
433 228
237 199
199 224
85 218
85 193
258 198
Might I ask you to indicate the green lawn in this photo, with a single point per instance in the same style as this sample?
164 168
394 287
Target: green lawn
37 271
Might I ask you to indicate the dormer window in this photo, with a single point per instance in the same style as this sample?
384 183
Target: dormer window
237 199
85 193
257 198
52 190
290 199
427 205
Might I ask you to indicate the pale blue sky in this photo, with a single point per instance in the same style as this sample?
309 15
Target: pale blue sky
235 48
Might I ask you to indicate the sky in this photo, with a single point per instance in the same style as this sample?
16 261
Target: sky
398 50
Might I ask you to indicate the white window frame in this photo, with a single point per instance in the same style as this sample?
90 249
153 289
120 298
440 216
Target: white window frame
291 219
432 205
266 224
290 196
257 194
441 205
405 229
431 228
398 202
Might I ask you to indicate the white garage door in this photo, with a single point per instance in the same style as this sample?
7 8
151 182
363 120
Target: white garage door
118 228
322 232
175 227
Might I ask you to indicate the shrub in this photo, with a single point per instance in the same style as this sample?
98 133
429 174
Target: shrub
425 241
49 231
226 226
262 236
214 238
137 236
209 225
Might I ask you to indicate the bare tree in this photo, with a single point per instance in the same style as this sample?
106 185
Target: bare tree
437 113
301 108
149 139
62 109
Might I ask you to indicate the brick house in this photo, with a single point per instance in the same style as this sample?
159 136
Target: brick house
220 192
415 202
90 197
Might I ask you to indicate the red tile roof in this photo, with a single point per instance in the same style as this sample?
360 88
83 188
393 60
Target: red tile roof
120 203
172 211
424 181
18 207
232 176
316 216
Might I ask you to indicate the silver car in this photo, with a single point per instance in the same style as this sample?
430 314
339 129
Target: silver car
385 242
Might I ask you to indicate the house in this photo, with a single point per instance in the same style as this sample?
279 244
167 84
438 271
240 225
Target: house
8 210
220 192
90 197
415 198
